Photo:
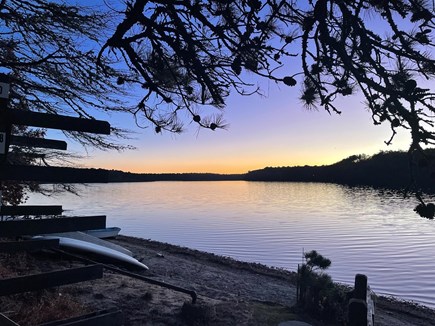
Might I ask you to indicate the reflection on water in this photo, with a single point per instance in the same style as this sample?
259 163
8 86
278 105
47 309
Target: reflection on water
361 230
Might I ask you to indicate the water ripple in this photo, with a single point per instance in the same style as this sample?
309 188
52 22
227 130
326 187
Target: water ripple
361 230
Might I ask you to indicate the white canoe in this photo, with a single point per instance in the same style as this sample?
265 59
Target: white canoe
110 232
78 235
95 249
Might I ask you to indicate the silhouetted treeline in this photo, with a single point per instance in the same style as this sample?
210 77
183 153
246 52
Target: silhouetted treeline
385 169
393 169
120 176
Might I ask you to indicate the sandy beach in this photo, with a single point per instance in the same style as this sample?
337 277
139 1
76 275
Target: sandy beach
229 292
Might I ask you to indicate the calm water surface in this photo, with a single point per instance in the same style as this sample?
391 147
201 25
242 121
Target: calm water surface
361 230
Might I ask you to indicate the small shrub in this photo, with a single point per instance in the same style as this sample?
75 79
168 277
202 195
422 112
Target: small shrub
318 295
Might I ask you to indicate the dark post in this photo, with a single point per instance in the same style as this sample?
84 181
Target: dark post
4 90
361 306
3 135
5 125
360 291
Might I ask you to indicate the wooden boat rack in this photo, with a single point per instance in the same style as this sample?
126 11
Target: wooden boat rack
176 288
48 219
36 282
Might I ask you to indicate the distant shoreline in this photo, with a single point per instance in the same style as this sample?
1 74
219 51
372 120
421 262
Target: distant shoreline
390 170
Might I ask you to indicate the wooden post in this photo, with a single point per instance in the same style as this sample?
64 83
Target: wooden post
298 284
360 291
5 132
4 121
5 126
361 307
4 90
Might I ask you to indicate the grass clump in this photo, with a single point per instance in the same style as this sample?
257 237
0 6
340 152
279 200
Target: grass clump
44 306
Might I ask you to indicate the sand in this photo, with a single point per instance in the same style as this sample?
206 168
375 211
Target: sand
229 292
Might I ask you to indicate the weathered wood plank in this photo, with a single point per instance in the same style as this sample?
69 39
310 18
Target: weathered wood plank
52 225
54 121
31 210
29 245
52 174
38 142
103 318
50 279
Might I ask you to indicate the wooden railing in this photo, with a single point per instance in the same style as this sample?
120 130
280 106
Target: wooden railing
361 309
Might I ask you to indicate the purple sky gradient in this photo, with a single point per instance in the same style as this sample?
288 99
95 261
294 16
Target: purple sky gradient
274 130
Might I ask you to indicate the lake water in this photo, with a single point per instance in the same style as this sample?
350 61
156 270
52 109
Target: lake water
361 230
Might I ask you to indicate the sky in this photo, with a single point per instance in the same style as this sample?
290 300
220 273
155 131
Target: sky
270 130
274 130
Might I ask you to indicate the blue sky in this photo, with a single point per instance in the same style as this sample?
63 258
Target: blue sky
273 130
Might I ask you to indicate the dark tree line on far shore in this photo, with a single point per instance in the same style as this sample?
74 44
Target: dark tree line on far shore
120 176
385 169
